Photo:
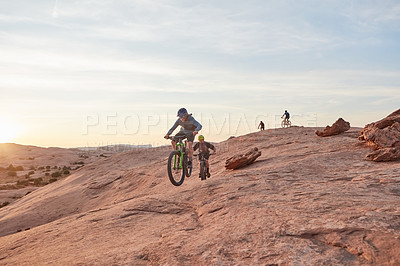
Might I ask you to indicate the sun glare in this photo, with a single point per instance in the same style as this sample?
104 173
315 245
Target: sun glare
8 130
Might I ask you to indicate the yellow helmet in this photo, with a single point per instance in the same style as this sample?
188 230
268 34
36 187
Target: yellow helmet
201 137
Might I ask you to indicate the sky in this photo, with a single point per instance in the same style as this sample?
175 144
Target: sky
92 73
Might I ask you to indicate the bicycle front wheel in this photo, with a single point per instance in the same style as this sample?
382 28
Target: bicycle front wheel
203 170
188 170
176 172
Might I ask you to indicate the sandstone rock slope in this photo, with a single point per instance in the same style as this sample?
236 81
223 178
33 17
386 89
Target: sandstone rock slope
384 135
304 201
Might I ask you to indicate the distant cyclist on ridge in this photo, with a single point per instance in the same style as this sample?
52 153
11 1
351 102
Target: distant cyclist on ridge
189 128
286 115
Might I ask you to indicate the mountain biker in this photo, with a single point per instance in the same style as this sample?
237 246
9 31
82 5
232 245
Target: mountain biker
189 128
204 147
261 125
286 115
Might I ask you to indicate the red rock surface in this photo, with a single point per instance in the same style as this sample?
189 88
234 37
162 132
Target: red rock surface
338 127
304 201
242 160
383 135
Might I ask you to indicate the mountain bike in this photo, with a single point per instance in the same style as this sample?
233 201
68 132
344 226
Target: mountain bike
178 162
286 123
203 165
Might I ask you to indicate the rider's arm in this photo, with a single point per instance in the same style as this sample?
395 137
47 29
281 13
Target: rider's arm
173 127
196 124
196 146
210 146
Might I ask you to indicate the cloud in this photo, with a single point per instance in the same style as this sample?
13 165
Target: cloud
55 10
224 56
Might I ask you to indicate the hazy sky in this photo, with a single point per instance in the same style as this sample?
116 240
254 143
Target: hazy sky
88 73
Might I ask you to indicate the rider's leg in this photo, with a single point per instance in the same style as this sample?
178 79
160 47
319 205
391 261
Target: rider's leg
190 149
173 143
208 169
190 152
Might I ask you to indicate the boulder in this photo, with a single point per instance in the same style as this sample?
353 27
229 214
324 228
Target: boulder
241 160
385 155
384 136
338 127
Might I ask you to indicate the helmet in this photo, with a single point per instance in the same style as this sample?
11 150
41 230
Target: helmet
201 137
182 112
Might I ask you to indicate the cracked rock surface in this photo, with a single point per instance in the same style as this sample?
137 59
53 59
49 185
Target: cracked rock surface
384 136
305 201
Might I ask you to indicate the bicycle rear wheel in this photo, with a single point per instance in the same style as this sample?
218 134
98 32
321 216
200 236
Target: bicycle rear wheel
176 172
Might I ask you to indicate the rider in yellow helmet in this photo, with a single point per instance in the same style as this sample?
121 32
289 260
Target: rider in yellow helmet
204 147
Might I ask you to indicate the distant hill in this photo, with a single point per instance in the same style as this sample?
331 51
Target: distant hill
305 201
115 148
24 168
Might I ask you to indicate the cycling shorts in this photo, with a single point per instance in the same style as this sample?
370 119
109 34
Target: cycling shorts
189 136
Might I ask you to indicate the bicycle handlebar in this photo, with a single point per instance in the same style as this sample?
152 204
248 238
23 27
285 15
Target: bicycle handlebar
197 154
177 137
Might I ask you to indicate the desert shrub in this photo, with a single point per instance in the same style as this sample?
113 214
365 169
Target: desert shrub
48 167
80 162
32 167
8 187
56 174
55 167
22 182
37 181
19 168
12 173
31 158
66 172
47 174
41 168
51 180
11 168
31 172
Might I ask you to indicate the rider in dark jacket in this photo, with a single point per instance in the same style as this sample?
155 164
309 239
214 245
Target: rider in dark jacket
286 115
204 147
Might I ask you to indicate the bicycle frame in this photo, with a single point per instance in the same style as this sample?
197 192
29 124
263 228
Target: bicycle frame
203 166
181 148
